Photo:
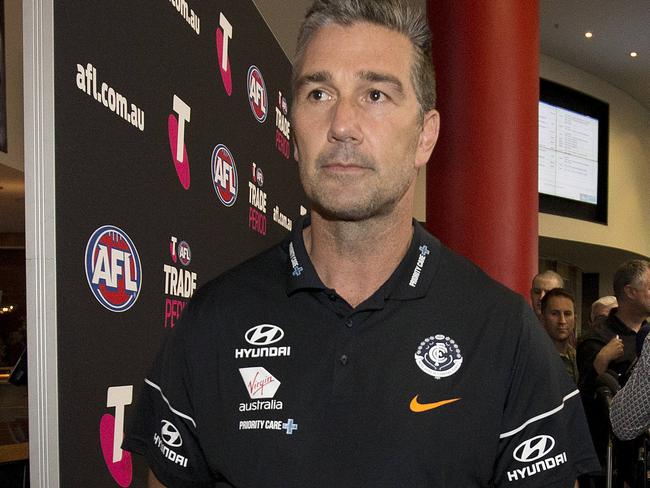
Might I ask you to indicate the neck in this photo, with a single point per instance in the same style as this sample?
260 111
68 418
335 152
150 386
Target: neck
561 346
630 317
356 258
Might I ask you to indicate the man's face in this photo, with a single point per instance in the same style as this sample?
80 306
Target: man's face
558 318
359 135
541 285
639 293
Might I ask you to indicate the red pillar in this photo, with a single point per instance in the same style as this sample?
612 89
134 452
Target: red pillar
482 178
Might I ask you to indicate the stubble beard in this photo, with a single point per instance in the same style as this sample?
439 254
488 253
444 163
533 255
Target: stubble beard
377 198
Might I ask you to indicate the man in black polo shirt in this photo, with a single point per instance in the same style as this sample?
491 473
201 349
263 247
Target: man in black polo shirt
610 348
372 356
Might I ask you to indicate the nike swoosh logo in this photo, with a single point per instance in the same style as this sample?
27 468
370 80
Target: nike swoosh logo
418 407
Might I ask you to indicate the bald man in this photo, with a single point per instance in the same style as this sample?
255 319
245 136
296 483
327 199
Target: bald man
542 283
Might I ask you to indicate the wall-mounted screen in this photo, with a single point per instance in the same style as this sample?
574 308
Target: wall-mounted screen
573 147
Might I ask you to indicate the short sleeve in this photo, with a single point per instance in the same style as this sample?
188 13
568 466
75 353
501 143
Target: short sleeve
630 412
544 438
164 429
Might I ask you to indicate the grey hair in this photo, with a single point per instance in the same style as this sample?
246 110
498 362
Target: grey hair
629 273
397 15
606 301
550 274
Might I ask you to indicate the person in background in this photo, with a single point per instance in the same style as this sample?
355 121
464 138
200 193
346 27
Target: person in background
542 283
630 412
600 309
558 318
611 348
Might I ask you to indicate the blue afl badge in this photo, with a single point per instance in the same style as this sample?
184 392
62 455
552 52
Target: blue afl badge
438 356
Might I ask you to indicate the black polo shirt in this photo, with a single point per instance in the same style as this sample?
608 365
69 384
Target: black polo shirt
441 378
620 368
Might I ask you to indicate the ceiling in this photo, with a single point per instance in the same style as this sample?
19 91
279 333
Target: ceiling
619 26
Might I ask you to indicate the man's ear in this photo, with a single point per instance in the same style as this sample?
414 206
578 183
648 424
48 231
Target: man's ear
628 290
296 153
428 137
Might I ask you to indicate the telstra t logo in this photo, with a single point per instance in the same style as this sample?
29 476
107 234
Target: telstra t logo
176 132
224 34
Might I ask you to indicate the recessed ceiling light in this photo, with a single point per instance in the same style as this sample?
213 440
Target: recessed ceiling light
589 34
634 54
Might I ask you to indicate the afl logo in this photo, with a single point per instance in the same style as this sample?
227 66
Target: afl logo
533 449
184 253
438 356
170 435
264 335
257 93
113 268
224 175
258 177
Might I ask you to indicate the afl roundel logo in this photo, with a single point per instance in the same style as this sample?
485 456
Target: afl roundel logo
113 268
184 253
224 175
534 448
264 334
438 356
257 93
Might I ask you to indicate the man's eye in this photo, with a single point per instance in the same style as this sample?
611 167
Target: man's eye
317 95
376 96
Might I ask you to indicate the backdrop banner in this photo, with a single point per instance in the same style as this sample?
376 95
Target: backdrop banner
173 164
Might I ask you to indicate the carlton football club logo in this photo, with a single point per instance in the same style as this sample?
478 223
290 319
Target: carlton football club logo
113 268
438 356
224 175
257 93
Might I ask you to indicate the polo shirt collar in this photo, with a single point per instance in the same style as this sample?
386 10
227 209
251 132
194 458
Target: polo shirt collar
411 279
301 274
415 273
619 326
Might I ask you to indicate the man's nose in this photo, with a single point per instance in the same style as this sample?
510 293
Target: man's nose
345 122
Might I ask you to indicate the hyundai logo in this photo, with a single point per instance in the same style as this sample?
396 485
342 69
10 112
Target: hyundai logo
264 334
170 434
534 448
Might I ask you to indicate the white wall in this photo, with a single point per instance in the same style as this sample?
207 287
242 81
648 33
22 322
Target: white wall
629 167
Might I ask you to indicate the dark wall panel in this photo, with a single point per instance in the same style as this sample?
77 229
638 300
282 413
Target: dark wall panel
141 220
